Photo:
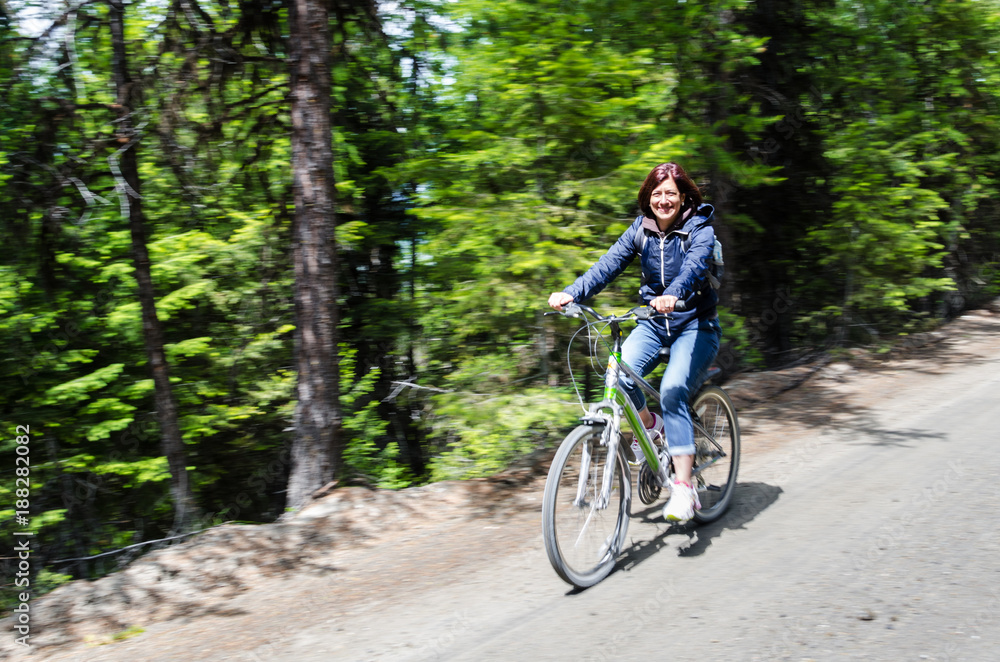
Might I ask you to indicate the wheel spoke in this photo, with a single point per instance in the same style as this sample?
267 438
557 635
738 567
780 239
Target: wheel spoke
717 452
585 509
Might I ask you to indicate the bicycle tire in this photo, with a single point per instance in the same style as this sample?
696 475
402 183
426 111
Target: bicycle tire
717 444
583 541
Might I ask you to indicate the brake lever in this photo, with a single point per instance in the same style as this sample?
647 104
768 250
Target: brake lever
643 312
648 312
569 310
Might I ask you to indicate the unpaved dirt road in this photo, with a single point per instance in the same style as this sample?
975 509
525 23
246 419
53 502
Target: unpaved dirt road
865 527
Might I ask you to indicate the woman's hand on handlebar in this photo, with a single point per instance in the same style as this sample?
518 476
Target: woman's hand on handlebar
559 299
661 304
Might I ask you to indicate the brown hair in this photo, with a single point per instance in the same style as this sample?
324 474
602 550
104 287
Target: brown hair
659 174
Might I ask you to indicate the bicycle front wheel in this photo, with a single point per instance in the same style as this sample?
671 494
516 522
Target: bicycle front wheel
584 530
717 452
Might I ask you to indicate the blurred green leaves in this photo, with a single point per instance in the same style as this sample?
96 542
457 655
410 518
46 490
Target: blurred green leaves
486 154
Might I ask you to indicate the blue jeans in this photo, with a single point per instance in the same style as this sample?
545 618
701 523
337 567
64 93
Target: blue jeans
691 354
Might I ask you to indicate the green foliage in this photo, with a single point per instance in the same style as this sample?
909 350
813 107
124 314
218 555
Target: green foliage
127 633
49 581
884 234
362 455
740 340
546 124
486 154
479 436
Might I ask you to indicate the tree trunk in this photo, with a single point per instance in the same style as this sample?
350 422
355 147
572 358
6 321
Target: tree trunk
127 175
315 448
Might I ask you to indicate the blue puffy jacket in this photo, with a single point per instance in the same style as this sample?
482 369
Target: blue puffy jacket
667 268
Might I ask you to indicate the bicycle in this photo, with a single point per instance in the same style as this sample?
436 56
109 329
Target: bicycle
588 492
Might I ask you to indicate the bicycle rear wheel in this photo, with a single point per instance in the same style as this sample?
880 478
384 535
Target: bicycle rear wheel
717 452
583 537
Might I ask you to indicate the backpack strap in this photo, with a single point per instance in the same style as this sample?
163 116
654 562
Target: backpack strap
639 238
638 244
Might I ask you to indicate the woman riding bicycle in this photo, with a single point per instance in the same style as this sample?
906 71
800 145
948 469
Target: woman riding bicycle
676 242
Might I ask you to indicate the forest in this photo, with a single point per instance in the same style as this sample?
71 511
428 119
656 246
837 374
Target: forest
260 248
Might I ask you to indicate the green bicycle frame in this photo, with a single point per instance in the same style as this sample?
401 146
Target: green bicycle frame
614 393
618 402
613 407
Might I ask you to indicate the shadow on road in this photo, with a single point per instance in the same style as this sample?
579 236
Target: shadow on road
819 397
749 500
873 435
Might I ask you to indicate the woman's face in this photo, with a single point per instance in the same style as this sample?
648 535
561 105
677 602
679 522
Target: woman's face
666 201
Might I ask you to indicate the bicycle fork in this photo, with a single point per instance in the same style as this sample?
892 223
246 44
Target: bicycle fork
618 403
603 496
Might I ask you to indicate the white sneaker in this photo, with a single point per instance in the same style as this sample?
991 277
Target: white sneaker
636 451
683 502
655 434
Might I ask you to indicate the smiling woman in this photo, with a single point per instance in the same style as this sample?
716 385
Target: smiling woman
674 240
667 191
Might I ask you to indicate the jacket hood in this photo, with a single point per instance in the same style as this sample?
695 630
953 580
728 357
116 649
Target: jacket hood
692 220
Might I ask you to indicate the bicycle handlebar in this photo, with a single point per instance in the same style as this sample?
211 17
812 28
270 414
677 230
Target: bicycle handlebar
639 312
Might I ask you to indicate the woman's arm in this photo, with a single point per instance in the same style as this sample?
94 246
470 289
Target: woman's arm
605 270
692 275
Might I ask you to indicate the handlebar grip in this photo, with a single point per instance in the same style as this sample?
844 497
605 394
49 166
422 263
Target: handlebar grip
571 309
648 313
